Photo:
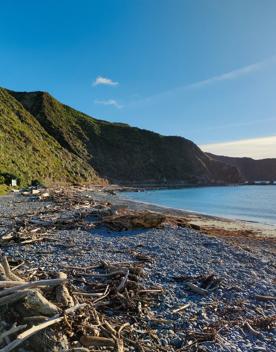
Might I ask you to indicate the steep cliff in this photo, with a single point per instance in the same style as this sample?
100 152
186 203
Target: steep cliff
125 154
251 169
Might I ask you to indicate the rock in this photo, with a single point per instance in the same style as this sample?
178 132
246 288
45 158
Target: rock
176 342
36 304
47 340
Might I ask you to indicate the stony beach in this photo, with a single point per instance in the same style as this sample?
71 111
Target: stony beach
208 287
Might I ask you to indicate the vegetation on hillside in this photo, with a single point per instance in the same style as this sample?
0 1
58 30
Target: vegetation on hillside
44 140
122 153
30 153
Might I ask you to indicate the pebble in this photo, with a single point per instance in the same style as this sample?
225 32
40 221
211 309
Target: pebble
176 252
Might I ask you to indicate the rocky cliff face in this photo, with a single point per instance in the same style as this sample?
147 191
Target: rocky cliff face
124 154
251 169
42 139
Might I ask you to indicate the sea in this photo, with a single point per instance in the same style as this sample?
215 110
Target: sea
256 203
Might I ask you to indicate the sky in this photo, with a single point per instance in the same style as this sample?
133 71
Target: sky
201 69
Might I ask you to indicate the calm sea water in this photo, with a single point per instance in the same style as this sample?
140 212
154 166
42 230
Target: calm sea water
253 203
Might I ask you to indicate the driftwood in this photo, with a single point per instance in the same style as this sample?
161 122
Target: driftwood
180 309
9 274
93 341
13 330
120 345
7 284
41 283
2 273
115 286
251 329
123 282
12 298
62 294
134 220
34 329
265 298
196 289
118 301
36 303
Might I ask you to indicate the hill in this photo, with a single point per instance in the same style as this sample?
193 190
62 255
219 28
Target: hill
30 153
124 154
251 169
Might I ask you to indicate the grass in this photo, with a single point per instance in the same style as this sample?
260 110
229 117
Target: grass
30 153
4 190
42 139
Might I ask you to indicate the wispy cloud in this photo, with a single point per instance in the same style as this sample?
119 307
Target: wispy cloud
111 102
226 76
226 126
104 81
257 148
231 75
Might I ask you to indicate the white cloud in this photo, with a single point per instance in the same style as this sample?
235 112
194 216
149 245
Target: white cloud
257 148
226 76
231 75
104 81
111 102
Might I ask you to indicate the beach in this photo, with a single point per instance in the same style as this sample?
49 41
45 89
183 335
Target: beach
213 278
207 223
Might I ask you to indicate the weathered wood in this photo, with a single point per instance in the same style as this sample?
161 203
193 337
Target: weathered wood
180 309
12 298
9 274
6 284
265 298
34 284
13 330
197 289
96 341
34 329
62 294
123 282
28 333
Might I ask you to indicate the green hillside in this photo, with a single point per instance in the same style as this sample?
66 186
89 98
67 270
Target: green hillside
30 153
125 154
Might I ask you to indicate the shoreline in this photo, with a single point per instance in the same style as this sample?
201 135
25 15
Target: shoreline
205 222
182 285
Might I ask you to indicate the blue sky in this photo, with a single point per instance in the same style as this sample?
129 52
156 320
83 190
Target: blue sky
202 69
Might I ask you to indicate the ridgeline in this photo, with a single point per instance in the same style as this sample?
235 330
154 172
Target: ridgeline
42 139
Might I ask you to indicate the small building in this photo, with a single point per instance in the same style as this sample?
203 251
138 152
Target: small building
14 182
